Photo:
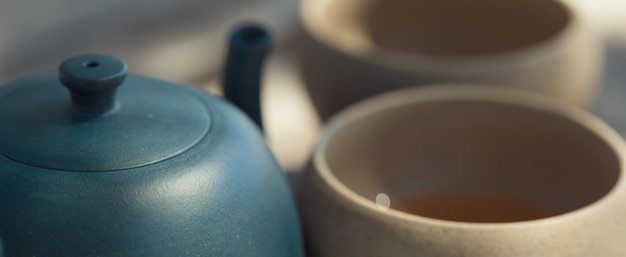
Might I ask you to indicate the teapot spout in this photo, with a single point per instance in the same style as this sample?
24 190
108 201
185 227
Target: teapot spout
248 46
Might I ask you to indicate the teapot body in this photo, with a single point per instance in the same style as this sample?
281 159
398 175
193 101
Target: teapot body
223 196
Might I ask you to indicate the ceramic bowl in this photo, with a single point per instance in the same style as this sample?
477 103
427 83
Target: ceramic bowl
465 170
351 49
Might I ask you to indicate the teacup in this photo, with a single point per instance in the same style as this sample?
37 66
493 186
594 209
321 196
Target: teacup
465 170
352 49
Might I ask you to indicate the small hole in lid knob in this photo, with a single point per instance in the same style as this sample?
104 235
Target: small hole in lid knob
91 64
92 80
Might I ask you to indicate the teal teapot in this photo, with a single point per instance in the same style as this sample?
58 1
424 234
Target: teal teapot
98 162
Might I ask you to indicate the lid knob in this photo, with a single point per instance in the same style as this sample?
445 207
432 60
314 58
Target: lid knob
92 80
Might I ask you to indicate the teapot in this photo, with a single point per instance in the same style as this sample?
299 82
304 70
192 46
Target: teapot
122 164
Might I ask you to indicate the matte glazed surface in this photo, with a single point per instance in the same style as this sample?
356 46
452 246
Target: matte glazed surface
499 142
348 52
225 196
153 121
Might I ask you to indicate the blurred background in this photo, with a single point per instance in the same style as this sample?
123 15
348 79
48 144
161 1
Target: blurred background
185 41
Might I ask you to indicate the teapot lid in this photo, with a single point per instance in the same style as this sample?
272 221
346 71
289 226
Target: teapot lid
96 126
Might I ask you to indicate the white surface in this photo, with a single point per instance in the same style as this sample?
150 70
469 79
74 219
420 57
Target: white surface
607 16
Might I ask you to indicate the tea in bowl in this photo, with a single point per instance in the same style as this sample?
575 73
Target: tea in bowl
465 170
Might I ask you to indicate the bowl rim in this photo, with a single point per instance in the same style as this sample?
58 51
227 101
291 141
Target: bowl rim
315 26
468 92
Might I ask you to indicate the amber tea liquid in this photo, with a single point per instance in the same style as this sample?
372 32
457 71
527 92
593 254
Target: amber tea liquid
473 208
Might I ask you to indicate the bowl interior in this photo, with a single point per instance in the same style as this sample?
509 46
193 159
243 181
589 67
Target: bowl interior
473 161
449 27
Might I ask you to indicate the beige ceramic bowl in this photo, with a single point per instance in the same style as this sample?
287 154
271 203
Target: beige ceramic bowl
352 49
465 141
